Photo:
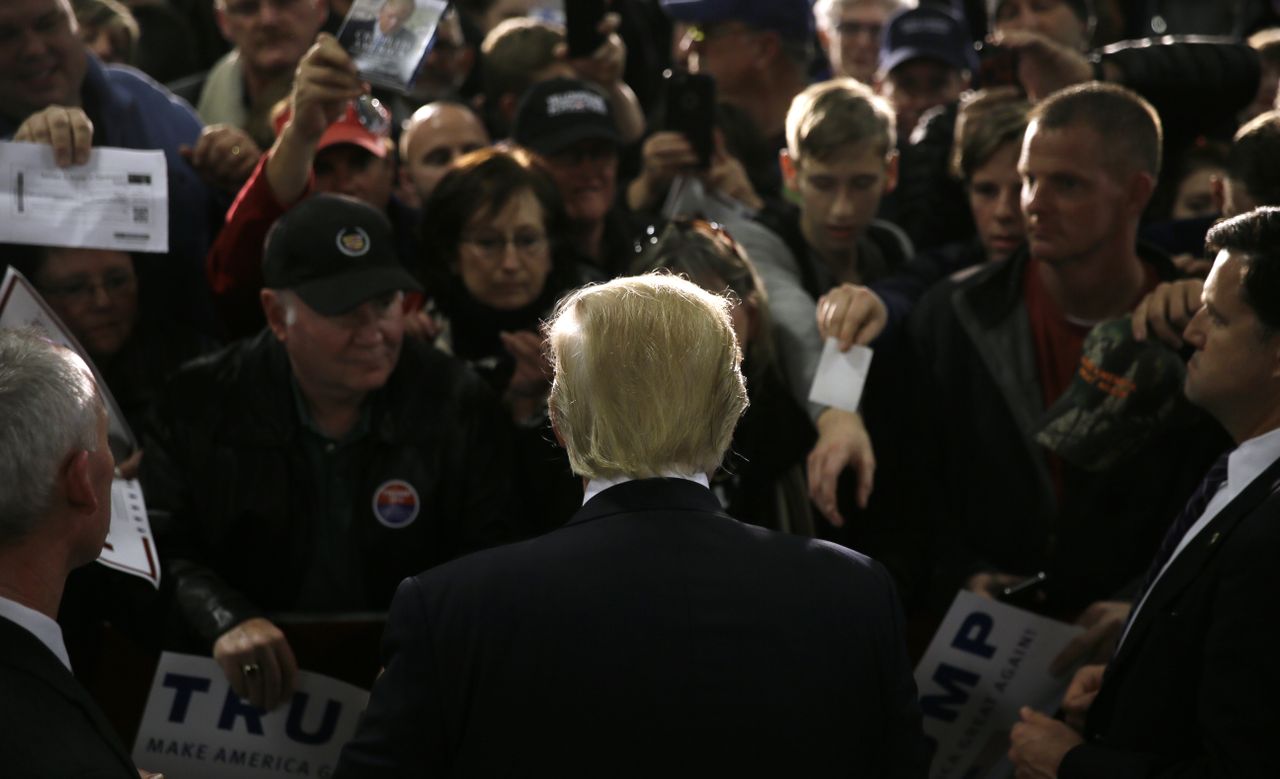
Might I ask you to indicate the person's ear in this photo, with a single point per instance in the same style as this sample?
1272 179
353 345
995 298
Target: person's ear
274 308
890 171
768 47
554 419
1217 189
1141 185
507 104
824 40
790 170
77 484
220 18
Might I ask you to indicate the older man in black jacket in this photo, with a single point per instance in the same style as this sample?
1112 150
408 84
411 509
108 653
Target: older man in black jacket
314 466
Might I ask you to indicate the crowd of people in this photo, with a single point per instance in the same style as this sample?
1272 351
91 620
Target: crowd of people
395 328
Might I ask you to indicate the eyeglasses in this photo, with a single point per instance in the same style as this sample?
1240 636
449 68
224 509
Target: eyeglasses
493 246
84 289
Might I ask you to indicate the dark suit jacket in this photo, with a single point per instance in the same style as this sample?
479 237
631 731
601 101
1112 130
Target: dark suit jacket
49 727
1192 690
652 635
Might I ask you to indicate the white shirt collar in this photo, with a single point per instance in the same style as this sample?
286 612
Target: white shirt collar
597 486
38 625
1248 462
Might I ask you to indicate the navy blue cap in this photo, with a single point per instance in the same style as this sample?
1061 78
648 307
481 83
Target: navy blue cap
791 19
927 32
559 112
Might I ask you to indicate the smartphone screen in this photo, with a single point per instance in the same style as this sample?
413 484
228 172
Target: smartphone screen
582 20
690 109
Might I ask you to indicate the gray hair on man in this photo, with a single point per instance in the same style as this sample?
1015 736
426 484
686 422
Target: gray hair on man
827 12
48 410
648 377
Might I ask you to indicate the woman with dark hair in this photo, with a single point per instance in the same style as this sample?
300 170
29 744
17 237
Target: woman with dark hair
493 269
762 480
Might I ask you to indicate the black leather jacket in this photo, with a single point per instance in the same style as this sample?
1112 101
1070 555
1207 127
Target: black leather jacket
224 459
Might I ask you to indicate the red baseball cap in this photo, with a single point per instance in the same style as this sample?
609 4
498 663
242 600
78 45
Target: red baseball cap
349 129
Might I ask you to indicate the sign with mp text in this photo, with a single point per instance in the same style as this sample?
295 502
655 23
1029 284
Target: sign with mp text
986 661
196 727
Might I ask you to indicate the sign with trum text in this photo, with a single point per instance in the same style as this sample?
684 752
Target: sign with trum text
986 661
196 727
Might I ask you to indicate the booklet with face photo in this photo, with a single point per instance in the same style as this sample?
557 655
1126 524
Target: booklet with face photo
389 39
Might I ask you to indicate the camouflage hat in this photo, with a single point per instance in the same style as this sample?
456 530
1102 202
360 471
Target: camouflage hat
1123 392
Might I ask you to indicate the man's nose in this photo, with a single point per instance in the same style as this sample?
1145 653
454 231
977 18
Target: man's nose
510 261
1192 332
842 205
100 297
1032 202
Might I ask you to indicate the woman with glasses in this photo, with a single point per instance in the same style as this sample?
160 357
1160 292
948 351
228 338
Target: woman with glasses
493 269
134 335
762 480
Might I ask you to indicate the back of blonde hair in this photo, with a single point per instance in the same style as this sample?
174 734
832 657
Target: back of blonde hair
648 377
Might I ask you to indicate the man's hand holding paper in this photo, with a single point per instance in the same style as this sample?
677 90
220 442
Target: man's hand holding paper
65 128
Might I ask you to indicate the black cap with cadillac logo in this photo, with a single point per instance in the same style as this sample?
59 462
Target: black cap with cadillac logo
334 252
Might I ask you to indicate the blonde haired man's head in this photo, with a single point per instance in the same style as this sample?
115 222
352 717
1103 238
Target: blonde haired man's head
647 378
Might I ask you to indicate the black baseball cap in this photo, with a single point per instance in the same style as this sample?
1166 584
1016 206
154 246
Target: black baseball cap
334 252
557 113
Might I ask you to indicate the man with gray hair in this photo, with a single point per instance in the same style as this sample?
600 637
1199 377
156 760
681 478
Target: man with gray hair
850 32
55 510
652 628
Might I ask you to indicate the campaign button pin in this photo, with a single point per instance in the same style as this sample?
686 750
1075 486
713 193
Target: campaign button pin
395 504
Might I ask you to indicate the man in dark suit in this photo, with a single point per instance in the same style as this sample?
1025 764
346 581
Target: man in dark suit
1189 691
652 634
55 510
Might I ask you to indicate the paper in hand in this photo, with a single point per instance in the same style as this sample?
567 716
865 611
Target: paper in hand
840 376
119 199
130 546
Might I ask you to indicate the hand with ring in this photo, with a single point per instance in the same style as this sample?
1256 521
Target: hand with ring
224 156
258 662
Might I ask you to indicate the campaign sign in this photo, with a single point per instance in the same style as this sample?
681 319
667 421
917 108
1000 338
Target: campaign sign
986 660
130 546
196 727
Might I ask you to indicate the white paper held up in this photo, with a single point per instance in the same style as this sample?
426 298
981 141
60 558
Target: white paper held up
119 199
841 376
